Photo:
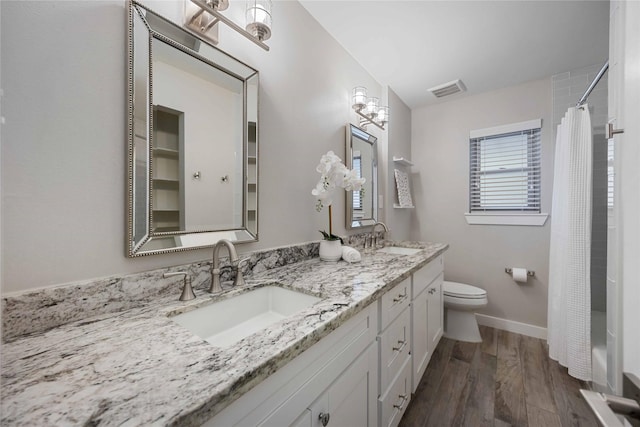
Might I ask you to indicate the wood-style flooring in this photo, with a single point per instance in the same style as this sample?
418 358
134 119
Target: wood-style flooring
508 379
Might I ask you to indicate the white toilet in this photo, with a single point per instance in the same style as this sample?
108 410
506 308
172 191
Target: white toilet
460 303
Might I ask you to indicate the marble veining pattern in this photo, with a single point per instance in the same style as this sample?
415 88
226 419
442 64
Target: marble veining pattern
137 367
41 310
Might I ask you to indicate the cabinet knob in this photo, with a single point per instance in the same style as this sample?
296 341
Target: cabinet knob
324 418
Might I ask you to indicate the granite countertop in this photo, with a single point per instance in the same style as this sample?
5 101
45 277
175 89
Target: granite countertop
138 367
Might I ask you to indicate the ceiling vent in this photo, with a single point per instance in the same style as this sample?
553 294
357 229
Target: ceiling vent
447 89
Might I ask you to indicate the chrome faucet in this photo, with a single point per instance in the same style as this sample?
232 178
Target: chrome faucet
374 238
215 270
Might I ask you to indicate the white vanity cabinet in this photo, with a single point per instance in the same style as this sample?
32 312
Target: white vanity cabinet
336 378
361 374
394 341
427 316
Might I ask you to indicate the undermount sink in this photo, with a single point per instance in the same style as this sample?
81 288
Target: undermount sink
398 250
228 321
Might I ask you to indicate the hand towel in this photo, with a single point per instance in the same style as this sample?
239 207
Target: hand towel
350 254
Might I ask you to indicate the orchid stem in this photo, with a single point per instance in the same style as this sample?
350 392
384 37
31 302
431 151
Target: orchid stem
330 229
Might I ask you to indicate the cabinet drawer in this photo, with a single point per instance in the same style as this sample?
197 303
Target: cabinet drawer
394 302
423 277
395 344
393 404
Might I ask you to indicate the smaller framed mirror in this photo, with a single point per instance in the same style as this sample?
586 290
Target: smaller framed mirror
362 155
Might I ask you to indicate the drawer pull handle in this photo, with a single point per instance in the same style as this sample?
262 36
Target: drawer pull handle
400 297
403 399
324 418
402 344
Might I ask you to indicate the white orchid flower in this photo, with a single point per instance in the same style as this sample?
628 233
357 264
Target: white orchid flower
327 163
353 183
334 174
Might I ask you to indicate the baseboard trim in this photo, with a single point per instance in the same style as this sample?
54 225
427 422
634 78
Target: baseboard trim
512 326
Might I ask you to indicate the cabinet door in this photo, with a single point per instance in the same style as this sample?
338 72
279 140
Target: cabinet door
351 398
435 313
420 345
394 403
395 346
304 420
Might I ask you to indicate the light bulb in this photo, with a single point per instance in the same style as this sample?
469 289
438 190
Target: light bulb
383 115
259 18
359 97
372 106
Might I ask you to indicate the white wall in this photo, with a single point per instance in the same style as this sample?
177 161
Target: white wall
478 254
630 191
64 140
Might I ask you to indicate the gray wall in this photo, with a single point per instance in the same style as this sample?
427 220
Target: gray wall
568 88
398 220
478 254
64 140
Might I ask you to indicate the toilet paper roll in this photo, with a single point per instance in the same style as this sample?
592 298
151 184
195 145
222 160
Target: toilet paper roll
519 274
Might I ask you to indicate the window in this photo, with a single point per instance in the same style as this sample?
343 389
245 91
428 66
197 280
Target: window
504 171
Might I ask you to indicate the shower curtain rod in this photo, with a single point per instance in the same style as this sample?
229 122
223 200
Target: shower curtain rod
593 84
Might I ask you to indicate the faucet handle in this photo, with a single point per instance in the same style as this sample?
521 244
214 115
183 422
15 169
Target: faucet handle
239 280
187 290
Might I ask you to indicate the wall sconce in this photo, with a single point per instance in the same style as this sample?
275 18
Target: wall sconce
368 108
202 16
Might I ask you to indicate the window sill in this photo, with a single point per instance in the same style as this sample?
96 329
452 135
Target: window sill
537 220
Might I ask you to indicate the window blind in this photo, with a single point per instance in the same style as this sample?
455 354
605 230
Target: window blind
504 171
610 173
357 195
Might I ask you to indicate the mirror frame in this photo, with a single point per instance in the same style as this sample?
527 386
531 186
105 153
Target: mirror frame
147 241
352 131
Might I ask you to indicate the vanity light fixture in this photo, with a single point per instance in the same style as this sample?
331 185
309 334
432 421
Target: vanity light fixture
259 18
202 16
368 108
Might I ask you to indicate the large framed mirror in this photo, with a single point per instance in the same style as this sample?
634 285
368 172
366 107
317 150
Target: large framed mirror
193 140
362 155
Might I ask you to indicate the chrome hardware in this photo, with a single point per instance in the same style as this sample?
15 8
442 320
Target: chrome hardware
368 241
374 237
530 273
187 290
401 297
611 131
224 178
324 418
402 344
215 270
402 401
197 175
432 291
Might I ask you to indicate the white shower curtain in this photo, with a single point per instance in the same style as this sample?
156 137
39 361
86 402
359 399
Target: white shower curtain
569 309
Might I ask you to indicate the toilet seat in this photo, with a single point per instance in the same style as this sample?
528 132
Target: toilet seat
463 291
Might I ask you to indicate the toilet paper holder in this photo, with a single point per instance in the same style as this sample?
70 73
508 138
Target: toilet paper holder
530 273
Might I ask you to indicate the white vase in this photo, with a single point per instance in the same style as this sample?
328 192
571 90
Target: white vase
330 250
